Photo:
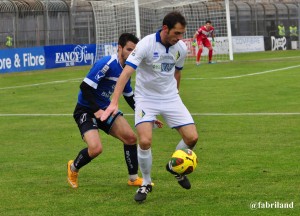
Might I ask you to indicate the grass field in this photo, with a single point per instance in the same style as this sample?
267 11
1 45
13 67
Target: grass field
248 118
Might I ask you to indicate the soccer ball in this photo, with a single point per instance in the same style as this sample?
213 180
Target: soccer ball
184 161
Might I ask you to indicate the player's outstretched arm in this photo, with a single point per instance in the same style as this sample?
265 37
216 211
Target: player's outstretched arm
113 106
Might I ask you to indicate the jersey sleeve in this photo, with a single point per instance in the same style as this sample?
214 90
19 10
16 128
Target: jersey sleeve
97 72
138 54
199 31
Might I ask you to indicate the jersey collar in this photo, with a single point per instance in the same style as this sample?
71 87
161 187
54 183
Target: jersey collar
158 39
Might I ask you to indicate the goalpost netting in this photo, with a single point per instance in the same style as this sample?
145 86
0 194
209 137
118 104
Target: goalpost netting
114 17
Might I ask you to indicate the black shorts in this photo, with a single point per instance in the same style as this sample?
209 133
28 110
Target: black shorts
86 120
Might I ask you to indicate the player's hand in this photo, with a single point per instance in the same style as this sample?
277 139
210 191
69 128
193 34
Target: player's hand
213 43
194 43
110 110
158 124
99 113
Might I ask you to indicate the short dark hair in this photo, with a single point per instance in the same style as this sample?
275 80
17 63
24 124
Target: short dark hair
125 37
208 21
172 18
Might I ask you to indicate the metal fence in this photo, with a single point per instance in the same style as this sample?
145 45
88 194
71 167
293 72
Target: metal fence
263 18
52 22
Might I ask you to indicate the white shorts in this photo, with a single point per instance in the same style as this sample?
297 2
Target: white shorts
172 110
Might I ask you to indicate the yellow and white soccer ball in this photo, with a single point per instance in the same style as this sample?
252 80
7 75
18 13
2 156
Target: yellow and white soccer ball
184 161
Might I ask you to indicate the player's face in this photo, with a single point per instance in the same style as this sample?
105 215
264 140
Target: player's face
208 25
126 50
175 34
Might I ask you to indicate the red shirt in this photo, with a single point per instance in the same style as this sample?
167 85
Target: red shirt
203 33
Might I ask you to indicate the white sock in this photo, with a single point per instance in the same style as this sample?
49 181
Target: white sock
133 177
182 145
145 163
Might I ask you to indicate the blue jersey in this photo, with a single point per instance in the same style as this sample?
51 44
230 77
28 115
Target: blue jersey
103 77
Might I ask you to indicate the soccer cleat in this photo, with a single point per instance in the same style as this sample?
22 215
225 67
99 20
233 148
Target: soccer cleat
137 182
72 176
211 62
182 179
197 63
141 193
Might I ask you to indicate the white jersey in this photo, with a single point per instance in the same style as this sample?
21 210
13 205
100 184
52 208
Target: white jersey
155 67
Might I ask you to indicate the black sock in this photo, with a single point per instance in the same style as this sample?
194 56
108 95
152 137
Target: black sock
82 159
130 153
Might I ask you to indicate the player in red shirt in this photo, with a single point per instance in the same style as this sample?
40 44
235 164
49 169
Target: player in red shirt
201 34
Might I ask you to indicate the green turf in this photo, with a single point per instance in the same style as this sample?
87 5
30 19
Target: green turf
246 153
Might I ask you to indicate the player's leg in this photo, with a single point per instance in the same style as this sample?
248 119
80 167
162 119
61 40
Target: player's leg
189 136
177 116
200 49
122 131
89 132
210 54
145 113
144 131
208 45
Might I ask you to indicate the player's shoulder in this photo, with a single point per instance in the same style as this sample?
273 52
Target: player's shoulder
148 39
182 45
107 60
105 63
145 44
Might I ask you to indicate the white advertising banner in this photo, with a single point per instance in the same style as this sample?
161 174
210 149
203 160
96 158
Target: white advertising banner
248 44
240 44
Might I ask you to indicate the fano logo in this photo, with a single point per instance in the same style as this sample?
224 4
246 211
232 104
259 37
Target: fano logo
79 54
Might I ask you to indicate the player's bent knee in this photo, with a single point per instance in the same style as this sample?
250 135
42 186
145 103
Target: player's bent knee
192 140
130 139
145 143
95 151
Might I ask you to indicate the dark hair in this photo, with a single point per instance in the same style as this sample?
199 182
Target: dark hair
172 18
125 37
208 21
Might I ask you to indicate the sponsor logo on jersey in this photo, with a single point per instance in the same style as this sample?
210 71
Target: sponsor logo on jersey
163 67
167 57
105 69
106 94
155 55
99 75
166 67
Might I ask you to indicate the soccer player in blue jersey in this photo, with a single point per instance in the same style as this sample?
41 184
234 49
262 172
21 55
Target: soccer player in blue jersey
158 60
93 99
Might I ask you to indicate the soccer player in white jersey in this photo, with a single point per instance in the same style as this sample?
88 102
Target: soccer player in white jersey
158 60
93 98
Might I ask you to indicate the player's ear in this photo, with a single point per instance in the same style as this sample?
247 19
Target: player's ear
119 47
165 28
